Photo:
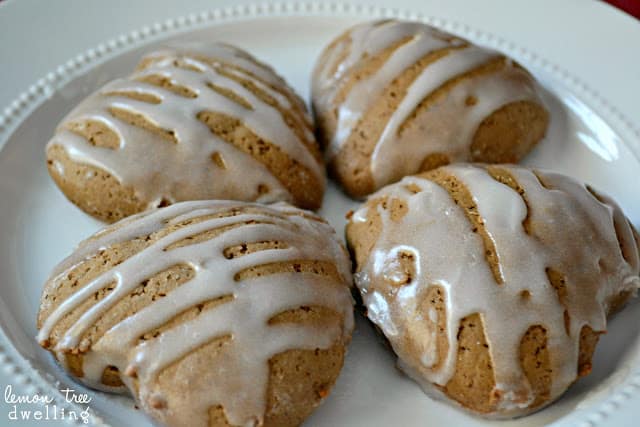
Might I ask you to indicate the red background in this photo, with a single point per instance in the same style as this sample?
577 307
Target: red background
630 6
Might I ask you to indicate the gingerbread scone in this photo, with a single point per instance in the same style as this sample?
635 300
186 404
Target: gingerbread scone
210 313
193 122
493 284
394 98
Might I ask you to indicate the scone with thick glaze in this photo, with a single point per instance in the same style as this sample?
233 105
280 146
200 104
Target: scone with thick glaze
493 284
394 98
210 313
193 122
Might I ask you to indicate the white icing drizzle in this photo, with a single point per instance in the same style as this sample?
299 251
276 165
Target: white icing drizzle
159 169
448 129
573 233
241 390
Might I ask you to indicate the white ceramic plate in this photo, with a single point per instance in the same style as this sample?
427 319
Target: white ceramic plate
38 226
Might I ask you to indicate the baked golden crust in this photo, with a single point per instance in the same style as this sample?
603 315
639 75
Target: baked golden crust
394 98
192 122
290 285
468 317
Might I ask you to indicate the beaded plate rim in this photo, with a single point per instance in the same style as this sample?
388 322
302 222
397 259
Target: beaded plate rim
17 111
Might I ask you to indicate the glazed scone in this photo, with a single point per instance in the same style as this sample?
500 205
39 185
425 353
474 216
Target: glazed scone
210 313
394 98
193 122
493 284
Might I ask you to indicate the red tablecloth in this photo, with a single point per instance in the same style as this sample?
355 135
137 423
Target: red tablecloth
632 7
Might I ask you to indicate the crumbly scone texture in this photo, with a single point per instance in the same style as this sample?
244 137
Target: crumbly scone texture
209 313
394 98
192 122
492 283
